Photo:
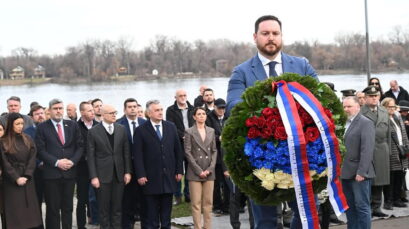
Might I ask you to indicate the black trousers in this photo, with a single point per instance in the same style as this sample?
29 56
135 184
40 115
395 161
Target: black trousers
393 190
131 203
59 195
82 193
158 209
376 196
221 192
236 202
109 197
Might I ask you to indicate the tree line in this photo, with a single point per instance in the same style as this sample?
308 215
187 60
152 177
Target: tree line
101 59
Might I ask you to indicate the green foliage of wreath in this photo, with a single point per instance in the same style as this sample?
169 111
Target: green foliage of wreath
234 135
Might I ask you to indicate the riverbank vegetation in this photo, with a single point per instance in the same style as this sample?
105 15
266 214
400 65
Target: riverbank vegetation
105 60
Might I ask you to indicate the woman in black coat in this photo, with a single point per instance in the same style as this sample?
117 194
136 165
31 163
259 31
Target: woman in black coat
21 209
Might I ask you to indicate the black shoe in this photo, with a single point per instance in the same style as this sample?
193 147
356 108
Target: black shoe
404 200
378 213
241 210
387 206
187 199
337 221
399 204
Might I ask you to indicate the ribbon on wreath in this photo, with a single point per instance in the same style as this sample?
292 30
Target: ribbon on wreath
287 93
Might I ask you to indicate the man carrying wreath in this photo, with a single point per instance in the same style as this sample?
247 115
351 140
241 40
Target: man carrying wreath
269 62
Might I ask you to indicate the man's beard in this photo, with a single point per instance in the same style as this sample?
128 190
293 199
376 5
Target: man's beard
264 50
209 102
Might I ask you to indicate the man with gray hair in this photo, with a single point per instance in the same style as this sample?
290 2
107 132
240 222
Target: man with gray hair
59 146
158 158
357 169
396 92
14 106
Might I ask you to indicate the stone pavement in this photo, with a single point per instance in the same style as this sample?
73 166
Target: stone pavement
398 219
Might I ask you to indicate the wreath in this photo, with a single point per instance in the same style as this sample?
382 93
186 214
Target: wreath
255 140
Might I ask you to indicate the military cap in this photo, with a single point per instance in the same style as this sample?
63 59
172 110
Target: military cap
371 90
348 92
220 103
404 105
330 85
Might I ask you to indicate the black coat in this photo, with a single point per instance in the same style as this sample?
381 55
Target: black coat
84 136
50 148
174 114
403 95
213 122
102 159
157 160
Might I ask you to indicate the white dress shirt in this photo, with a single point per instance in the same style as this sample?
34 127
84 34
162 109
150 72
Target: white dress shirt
278 67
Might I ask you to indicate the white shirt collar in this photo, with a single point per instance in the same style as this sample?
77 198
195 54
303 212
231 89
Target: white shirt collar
106 126
265 61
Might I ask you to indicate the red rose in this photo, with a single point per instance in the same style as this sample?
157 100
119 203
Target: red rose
311 134
276 114
280 133
253 132
266 133
267 112
306 119
252 121
261 122
328 113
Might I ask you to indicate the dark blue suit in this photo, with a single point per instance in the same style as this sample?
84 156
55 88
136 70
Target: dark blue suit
159 161
132 193
59 184
245 75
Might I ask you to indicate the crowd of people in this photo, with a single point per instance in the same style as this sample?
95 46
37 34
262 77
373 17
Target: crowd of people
120 170
133 168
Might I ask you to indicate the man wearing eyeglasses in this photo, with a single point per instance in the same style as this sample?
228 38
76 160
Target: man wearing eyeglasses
109 163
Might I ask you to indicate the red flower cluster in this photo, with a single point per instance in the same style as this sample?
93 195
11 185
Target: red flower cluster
269 124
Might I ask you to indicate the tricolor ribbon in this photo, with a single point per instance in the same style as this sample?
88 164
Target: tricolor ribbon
287 93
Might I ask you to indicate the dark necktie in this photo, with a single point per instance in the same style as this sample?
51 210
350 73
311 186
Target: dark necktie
60 136
133 126
158 132
272 69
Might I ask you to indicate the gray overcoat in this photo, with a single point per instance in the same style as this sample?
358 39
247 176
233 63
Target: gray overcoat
382 143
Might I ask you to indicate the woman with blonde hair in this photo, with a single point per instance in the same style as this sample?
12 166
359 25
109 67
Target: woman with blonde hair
397 163
201 154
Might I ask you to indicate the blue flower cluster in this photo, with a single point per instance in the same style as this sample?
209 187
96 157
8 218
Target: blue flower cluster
276 157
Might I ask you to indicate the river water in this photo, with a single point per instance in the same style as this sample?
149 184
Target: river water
116 92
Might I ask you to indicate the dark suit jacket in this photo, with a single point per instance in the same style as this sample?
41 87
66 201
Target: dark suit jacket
247 73
124 121
213 122
359 143
84 136
50 148
102 159
157 160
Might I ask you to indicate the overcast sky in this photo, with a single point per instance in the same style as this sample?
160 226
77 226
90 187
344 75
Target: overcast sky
50 26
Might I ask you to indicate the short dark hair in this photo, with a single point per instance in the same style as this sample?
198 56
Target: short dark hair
82 104
35 108
265 18
95 100
14 98
130 100
208 89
